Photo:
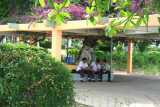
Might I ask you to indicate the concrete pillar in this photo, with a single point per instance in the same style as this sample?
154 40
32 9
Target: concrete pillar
129 58
56 44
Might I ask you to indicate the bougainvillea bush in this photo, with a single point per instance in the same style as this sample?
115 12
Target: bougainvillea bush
29 77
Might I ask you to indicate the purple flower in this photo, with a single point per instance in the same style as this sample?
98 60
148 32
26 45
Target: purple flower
71 47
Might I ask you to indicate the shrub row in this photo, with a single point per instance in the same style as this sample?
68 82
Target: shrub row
30 78
138 58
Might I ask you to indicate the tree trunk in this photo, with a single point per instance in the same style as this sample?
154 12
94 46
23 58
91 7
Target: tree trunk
87 50
1 38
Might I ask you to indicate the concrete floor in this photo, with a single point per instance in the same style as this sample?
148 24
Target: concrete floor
126 90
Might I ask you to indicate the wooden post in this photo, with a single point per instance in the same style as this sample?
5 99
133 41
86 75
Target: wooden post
129 58
56 44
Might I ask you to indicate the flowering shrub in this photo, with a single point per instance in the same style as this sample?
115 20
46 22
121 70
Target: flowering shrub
30 78
39 14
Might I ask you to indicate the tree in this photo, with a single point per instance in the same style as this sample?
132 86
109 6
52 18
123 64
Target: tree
87 50
10 7
142 45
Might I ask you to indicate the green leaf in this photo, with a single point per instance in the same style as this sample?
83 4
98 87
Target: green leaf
122 13
93 3
107 5
67 3
76 1
36 3
99 16
52 13
90 1
159 19
144 22
92 10
58 7
58 19
127 4
114 31
109 32
114 1
62 19
118 7
112 22
133 23
138 23
92 19
126 25
65 14
42 3
51 2
88 10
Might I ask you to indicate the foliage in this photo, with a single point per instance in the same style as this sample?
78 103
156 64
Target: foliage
73 52
45 44
142 45
103 46
8 7
119 57
76 44
39 14
153 49
29 77
119 48
100 55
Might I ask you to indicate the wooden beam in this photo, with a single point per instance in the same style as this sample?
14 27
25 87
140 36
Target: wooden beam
78 25
56 44
26 27
129 58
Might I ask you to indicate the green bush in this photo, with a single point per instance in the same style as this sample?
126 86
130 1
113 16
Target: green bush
142 45
45 44
119 48
30 78
138 59
101 55
119 57
73 52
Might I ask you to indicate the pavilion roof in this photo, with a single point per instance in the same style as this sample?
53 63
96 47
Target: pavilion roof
81 29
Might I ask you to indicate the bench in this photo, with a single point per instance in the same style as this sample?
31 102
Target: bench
77 76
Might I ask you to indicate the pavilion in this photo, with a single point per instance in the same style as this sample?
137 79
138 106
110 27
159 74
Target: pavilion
80 27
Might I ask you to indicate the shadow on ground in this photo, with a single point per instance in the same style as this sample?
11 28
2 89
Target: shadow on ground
130 90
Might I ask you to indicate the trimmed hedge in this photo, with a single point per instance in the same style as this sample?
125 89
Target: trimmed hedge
29 77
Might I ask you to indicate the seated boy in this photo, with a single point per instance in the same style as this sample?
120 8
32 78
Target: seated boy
83 68
105 68
95 68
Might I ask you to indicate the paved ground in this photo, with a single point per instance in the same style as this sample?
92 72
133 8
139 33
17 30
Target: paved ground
135 90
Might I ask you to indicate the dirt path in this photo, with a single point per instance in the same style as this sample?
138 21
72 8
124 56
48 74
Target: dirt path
135 90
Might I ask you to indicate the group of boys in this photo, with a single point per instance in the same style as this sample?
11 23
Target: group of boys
95 67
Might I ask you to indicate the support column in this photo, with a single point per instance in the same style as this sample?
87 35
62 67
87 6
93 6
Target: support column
129 58
56 44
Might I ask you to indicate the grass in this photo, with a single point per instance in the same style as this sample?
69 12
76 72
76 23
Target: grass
146 69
